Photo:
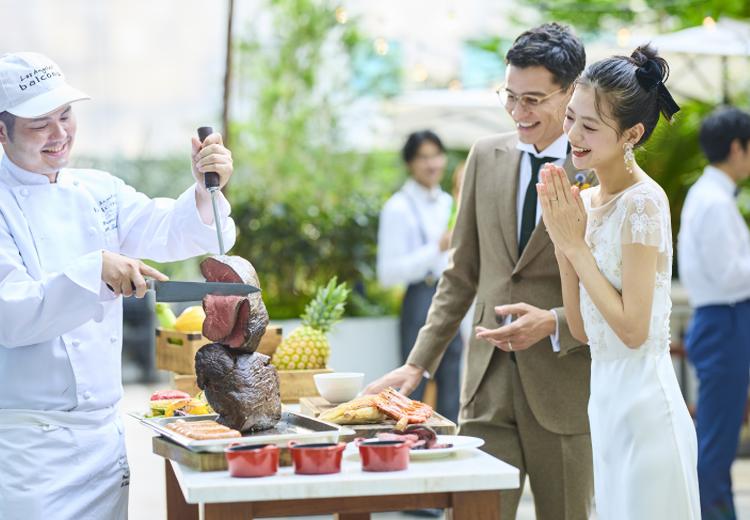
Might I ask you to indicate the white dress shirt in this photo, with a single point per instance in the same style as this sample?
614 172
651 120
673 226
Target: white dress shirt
559 150
404 255
714 243
60 327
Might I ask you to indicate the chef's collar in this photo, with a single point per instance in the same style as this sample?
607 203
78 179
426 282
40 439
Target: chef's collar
429 194
23 176
558 148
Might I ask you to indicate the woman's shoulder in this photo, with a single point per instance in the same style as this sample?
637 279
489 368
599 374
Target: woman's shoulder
645 192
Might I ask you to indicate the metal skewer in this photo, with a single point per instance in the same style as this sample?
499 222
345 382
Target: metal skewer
212 185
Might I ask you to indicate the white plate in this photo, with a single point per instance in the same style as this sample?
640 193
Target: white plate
459 442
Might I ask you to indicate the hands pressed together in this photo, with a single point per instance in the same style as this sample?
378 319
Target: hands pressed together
563 211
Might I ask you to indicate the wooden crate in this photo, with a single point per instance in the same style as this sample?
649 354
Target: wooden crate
293 384
175 351
270 340
185 383
203 461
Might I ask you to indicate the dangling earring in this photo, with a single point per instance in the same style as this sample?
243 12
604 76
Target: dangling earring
629 157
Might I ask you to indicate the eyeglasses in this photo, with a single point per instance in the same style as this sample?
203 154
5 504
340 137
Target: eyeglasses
509 99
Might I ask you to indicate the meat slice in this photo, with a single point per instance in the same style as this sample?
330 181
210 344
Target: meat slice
221 316
237 321
229 269
242 388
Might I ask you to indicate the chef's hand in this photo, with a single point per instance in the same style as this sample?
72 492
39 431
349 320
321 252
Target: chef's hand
211 156
531 325
126 275
405 378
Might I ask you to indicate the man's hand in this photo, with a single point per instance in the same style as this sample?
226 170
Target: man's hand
126 275
405 379
445 240
531 326
211 156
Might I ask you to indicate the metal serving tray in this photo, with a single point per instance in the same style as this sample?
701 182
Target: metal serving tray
291 427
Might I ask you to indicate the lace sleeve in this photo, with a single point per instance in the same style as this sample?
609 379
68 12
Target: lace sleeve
646 219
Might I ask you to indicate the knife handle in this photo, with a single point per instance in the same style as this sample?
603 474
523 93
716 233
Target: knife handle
211 178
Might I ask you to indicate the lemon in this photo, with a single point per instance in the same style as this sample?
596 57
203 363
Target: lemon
191 319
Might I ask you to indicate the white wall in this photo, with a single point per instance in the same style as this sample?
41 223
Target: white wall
154 69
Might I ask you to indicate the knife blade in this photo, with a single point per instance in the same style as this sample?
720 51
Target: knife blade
195 291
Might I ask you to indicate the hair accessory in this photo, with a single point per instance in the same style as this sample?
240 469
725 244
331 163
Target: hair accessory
649 76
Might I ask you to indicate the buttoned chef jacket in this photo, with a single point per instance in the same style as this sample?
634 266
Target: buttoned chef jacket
60 326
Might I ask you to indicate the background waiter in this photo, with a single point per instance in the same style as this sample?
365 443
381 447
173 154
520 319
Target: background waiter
413 243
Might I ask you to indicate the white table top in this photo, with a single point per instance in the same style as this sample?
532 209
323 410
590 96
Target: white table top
467 470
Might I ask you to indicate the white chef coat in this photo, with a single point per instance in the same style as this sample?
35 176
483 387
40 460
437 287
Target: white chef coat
405 256
713 246
61 328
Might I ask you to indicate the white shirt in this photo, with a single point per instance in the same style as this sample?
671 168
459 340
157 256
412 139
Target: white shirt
558 149
60 327
404 255
714 243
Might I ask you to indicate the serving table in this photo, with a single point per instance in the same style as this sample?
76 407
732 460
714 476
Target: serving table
466 484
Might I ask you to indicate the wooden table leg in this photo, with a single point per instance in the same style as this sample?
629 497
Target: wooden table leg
177 508
475 505
351 516
230 511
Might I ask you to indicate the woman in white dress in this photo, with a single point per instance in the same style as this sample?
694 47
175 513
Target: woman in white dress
613 243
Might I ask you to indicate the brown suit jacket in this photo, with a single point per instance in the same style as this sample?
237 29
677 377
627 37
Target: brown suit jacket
485 264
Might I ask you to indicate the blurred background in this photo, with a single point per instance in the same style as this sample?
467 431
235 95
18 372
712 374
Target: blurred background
315 98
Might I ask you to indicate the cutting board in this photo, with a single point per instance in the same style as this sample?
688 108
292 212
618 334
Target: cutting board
314 406
202 461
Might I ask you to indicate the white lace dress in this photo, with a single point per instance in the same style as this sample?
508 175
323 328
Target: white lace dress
643 439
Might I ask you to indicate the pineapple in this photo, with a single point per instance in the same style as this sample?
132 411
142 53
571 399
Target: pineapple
307 346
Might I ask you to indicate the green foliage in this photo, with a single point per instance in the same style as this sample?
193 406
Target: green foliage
306 206
672 156
327 307
594 14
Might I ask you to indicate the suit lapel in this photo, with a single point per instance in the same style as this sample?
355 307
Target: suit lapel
508 178
539 238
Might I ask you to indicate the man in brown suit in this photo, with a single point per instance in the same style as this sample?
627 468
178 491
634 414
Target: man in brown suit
526 384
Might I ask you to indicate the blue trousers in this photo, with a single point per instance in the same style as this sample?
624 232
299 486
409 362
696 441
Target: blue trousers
718 345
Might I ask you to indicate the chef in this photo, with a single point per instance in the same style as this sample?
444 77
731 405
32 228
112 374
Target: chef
70 244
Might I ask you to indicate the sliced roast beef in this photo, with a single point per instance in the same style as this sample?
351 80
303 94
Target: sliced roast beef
237 321
229 269
242 388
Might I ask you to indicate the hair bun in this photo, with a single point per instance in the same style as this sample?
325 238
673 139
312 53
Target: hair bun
645 53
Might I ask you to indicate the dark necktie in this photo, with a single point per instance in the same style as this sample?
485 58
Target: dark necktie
528 214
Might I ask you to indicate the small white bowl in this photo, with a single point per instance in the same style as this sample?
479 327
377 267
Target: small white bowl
339 387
